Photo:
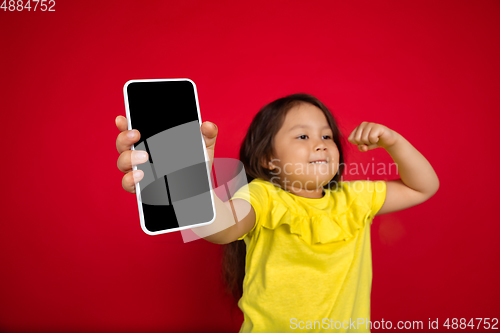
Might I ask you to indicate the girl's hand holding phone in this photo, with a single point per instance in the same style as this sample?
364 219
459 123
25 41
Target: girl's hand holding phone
370 136
128 158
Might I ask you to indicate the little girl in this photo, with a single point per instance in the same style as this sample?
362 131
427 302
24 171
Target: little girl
300 258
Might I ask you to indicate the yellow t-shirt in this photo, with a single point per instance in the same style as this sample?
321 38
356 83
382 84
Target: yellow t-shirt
308 261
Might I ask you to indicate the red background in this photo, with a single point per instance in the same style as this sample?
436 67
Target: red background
72 254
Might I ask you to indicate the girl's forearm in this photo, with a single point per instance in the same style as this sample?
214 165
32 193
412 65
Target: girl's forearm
414 169
217 230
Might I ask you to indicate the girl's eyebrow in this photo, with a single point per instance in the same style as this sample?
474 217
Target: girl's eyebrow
305 126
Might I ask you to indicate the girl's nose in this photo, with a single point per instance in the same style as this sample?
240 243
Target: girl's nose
320 146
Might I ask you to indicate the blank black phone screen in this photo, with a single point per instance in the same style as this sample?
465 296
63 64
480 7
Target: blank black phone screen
175 189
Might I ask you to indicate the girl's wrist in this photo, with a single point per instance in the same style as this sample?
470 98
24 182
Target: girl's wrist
395 141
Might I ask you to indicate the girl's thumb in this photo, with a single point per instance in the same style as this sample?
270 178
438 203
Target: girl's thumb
210 129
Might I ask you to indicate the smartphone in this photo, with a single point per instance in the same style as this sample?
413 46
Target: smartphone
176 190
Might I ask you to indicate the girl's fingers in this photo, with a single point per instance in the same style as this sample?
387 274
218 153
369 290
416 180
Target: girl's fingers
374 137
129 158
126 139
370 135
352 136
360 132
130 179
364 135
121 123
364 147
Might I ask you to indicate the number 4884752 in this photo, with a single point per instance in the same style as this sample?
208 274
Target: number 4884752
19 5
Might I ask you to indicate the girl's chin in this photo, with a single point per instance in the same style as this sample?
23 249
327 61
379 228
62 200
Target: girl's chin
310 182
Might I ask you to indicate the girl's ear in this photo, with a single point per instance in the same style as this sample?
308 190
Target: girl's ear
267 164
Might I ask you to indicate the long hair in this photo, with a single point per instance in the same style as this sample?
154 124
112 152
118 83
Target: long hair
256 151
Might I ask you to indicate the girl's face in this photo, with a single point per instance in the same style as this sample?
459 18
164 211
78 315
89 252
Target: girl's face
304 138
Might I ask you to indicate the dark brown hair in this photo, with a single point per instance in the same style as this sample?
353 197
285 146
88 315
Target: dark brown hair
256 151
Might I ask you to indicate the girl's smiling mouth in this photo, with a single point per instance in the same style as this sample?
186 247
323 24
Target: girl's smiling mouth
319 161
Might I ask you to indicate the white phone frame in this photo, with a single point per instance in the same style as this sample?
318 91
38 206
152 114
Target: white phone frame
138 187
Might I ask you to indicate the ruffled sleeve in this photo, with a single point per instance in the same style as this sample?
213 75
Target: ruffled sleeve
354 205
257 195
373 193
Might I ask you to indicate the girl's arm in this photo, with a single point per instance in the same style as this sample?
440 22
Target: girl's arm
234 218
418 180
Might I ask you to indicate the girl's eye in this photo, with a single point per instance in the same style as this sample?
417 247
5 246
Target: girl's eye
305 136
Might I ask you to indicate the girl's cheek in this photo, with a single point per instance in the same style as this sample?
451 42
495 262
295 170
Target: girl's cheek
336 150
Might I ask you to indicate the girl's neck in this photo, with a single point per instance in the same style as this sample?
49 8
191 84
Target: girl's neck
311 194
316 193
